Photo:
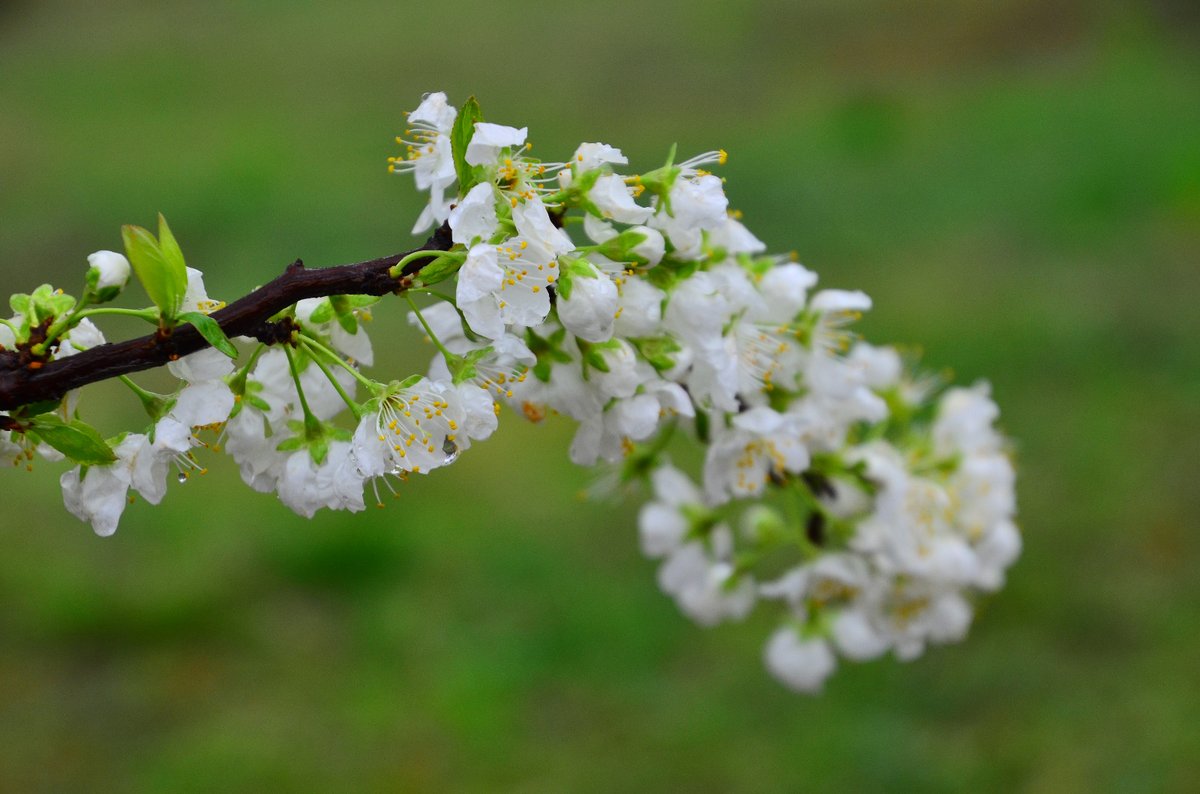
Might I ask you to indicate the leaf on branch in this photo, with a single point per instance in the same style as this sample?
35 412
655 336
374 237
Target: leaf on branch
34 409
158 264
440 269
210 329
77 440
464 130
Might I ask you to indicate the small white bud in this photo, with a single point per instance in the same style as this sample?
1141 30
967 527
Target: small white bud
650 249
112 269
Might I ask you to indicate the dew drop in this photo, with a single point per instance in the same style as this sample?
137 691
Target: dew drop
450 449
182 477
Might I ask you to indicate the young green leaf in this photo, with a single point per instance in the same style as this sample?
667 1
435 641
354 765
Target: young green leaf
460 136
171 252
162 281
77 440
35 409
210 329
439 269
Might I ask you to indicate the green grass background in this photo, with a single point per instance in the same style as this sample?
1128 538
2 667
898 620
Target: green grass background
1016 183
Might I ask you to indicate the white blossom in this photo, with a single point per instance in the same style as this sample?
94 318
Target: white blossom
800 664
490 139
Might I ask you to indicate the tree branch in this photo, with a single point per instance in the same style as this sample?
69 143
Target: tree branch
24 381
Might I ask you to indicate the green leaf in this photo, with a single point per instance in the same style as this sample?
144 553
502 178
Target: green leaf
361 301
34 409
47 302
77 440
460 136
210 329
174 259
19 303
440 269
170 249
158 277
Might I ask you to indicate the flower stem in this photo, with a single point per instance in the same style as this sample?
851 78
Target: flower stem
149 315
153 403
314 345
436 342
351 404
311 423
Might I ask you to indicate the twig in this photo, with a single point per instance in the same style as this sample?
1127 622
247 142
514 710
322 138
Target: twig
22 384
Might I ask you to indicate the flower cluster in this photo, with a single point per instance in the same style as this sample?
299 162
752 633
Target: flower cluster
869 505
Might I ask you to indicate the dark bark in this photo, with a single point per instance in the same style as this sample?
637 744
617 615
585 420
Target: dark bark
24 381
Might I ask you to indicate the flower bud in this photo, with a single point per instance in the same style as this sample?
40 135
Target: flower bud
108 272
113 268
650 249
587 302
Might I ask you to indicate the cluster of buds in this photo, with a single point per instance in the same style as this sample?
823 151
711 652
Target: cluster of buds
867 503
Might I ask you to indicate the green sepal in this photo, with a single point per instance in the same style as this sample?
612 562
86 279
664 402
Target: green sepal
77 440
666 274
620 248
756 266
105 295
211 330
323 313
766 526
92 280
319 449
462 368
658 351
315 436
162 273
548 351
593 354
344 312
569 269
779 398
292 444
407 383
577 194
460 136
660 181
702 427
250 396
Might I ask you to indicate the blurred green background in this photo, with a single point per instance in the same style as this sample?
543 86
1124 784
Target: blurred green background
1016 183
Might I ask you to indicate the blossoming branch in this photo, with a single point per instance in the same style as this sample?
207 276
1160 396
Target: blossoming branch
868 503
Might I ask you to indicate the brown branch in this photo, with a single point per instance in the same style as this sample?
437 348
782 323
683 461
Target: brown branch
23 382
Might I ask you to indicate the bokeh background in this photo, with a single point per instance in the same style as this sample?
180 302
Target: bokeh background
1015 182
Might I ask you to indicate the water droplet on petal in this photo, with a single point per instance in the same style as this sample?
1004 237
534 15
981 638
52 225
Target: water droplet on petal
450 449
